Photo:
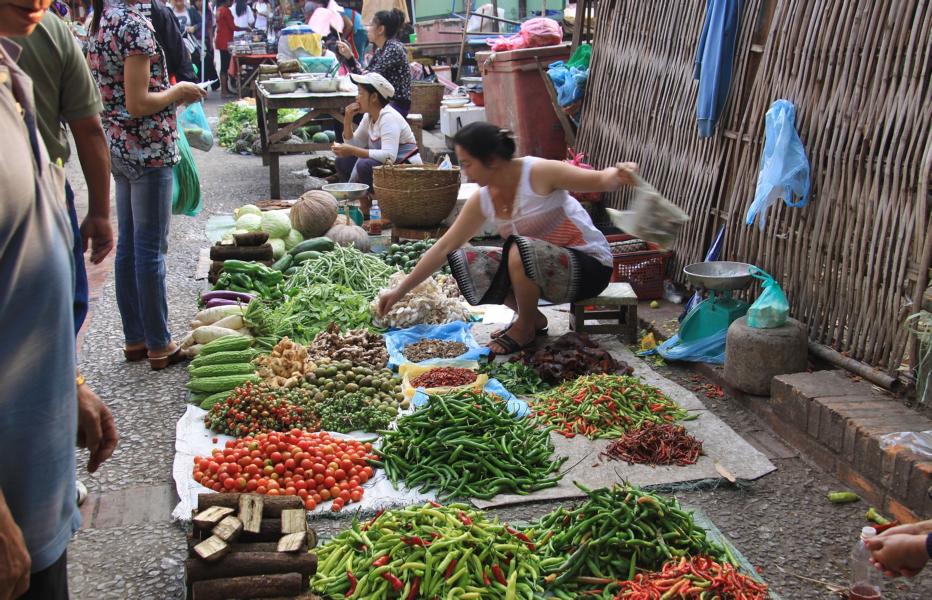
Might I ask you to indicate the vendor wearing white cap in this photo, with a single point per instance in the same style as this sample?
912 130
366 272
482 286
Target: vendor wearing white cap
383 135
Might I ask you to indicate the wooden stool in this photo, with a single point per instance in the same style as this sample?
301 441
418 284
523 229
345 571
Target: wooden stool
623 303
417 233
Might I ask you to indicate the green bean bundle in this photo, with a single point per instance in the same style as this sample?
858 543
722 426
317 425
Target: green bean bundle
613 534
469 445
428 551
363 273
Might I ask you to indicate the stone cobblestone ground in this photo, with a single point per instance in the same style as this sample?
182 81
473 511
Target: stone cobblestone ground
128 548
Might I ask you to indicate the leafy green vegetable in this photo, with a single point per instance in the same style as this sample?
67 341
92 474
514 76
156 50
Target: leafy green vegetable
353 412
238 119
307 312
276 224
517 378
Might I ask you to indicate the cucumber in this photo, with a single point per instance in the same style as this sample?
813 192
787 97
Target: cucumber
221 383
224 369
283 263
320 244
226 343
222 358
304 256
291 271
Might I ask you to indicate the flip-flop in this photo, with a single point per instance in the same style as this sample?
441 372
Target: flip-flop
160 362
509 344
135 354
543 331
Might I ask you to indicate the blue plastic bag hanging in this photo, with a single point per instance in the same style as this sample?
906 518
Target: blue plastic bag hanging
784 171
193 122
457 331
771 309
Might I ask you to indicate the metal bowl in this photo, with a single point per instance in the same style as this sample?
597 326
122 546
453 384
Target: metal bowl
280 86
346 191
719 275
322 85
455 101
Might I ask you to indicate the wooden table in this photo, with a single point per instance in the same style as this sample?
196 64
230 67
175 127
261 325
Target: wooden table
237 61
320 106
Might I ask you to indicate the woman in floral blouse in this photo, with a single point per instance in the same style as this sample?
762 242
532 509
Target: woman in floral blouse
390 59
139 120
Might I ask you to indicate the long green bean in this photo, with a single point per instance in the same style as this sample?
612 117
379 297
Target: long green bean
363 273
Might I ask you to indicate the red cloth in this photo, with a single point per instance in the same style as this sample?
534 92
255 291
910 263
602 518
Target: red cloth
225 28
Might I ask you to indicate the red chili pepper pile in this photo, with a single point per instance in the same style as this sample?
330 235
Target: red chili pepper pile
691 579
444 377
605 406
656 444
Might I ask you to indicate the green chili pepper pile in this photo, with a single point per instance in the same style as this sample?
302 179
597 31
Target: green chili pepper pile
468 445
363 273
250 277
428 551
612 535
604 406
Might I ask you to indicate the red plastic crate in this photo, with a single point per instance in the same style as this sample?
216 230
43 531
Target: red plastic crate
644 270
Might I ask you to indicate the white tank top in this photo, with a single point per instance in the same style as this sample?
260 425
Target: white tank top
557 218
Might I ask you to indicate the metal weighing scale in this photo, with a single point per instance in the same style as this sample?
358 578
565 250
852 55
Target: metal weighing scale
719 310
348 194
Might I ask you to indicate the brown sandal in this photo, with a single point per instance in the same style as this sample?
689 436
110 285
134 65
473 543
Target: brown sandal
135 354
160 362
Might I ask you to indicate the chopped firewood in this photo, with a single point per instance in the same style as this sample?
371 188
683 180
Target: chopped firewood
212 549
228 529
256 586
250 512
293 542
208 518
294 520
241 564
272 505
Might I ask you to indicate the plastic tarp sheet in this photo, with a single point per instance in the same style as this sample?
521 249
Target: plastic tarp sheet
192 439
457 331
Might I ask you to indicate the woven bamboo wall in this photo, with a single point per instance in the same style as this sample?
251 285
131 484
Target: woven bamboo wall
859 75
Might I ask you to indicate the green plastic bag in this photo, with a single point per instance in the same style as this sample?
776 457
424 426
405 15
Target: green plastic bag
771 309
186 188
581 57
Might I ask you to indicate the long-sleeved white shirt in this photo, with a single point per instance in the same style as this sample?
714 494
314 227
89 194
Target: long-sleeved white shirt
385 136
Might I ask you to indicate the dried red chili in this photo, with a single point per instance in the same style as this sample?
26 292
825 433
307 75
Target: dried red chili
656 444
444 377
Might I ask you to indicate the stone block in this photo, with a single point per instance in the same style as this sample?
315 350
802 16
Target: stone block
898 511
825 383
920 480
789 405
753 357
902 469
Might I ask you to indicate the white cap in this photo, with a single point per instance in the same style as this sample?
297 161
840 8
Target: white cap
867 532
377 81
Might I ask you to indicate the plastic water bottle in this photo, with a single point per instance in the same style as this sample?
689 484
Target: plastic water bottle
865 578
375 218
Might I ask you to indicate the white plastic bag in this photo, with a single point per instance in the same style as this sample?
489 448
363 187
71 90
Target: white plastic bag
653 218
919 442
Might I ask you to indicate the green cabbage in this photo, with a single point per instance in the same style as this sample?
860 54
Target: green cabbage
293 238
278 247
249 222
276 224
247 209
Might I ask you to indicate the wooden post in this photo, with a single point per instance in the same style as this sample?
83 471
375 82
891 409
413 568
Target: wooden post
459 64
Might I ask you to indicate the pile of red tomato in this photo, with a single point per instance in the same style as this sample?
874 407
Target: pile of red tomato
316 467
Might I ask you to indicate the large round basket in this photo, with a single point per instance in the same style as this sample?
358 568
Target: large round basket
416 195
425 100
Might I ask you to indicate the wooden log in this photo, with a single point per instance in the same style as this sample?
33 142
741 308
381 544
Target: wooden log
256 586
294 520
250 512
241 564
310 542
293 542
208 518
253 238
270 530
221 252
229 529
272 506
212 549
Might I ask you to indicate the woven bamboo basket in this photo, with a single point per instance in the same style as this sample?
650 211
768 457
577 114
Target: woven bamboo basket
416 195
425 100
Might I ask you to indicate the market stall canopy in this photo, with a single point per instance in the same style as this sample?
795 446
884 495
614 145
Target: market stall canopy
370 7
714 58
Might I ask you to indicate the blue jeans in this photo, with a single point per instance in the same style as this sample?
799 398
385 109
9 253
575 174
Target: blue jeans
144 212
80 273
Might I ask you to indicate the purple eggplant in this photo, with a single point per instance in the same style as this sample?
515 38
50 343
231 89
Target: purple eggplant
227 295
223 302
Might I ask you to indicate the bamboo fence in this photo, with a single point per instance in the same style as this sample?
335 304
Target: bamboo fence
859 74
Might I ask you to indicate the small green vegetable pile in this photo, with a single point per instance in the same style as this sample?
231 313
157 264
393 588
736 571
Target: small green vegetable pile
428 551
518 378
405 255
352 397
346 266
251 278
468 445
307 312
612 535
238 130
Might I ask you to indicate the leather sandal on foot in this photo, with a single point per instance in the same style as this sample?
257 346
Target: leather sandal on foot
135 354
509 344
160 362
543 331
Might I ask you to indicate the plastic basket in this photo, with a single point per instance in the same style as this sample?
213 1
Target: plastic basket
644 270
